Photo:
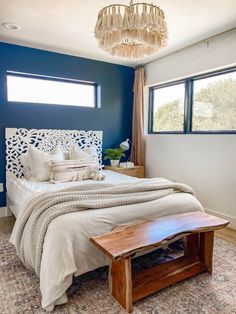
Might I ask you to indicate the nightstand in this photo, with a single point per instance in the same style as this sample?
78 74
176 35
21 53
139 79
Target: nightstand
137 171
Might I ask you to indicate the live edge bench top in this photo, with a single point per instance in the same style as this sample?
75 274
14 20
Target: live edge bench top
124 241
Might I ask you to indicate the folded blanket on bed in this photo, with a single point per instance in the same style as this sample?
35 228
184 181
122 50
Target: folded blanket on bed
31 226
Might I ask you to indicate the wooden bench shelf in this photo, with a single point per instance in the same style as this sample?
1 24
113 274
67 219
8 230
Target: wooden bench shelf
164 275
122 243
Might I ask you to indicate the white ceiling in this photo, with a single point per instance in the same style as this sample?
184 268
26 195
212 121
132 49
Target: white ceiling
67 26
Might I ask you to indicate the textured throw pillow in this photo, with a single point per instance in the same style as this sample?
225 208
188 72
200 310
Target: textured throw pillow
39 162
71 170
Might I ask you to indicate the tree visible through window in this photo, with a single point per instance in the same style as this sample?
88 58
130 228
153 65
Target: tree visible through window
214 103
168 106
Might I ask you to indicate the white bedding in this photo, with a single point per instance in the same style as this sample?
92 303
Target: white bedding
67 250
19 191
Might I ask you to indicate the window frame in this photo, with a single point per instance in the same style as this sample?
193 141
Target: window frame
97 88
188 103
151 106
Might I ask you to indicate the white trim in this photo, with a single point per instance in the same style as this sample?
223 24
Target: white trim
231 219
5 212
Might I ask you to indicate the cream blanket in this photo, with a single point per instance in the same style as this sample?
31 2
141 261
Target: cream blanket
31 226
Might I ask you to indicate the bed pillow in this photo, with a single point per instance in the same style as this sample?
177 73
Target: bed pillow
67 155
58 152
39 162
71 170
92 150
78 154
24 159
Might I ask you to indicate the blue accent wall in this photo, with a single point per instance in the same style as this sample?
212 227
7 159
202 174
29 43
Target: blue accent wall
114 117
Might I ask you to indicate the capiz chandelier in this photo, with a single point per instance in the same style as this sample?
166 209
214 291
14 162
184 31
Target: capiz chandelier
131 31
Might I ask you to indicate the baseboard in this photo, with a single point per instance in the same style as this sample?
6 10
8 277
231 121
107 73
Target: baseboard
5 212
231 219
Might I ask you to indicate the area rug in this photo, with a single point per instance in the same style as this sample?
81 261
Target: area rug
202 294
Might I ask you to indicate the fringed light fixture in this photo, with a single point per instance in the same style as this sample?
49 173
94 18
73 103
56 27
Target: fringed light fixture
131 31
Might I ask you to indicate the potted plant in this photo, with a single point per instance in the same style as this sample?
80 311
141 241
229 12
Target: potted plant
114 155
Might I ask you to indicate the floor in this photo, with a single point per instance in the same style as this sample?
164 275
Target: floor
89 293
6 225
21 293
227 234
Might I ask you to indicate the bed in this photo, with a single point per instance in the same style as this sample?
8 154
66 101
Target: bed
67 251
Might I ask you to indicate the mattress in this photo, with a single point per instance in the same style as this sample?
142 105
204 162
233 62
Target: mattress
20 191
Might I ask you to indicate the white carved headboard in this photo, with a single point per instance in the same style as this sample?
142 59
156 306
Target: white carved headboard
18 140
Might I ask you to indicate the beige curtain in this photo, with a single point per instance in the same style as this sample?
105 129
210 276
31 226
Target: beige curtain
137 152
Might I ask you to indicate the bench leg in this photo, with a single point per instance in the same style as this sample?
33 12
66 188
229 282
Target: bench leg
191 245
120 282
206 249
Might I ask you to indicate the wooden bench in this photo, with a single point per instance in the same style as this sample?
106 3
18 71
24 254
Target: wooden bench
122 243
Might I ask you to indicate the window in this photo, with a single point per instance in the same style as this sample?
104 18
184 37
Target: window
214 103
168 108
33 89
203 104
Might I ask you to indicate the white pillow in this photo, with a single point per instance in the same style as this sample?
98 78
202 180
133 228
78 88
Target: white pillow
39 162
58 152
24 159
78 154
67 155
92 150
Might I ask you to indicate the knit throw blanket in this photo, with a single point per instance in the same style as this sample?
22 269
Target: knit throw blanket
31 225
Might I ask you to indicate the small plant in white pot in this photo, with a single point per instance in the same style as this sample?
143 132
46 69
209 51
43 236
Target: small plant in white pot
114 155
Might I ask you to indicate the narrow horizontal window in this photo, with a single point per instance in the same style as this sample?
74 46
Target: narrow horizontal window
214 103
168 108
49 91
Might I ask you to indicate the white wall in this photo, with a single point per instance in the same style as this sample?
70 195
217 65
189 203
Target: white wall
219 53
205 162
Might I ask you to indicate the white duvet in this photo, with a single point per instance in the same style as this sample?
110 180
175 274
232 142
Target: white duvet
67 251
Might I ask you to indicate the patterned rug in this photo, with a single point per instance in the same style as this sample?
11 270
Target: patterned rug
202 294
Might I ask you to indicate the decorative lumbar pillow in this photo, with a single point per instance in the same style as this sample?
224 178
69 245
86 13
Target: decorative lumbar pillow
97 174
39 162
71 170
78 154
